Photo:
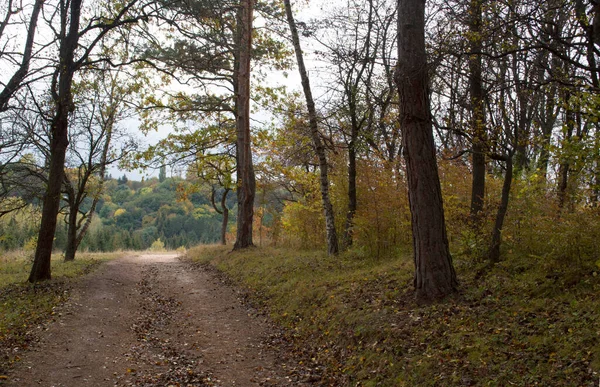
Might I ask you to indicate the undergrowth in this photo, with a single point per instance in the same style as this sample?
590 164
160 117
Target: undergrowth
527 321
24 306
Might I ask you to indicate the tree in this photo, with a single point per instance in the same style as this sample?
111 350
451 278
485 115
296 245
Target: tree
162 173
21 174
434 273
211 48
332 239
208 156
223 210
246 189
63 99
69 36
16 80
94 130
351 39
476 92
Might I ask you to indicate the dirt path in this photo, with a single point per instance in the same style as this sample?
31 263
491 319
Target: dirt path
151 320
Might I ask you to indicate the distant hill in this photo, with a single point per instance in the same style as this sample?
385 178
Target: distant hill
133 215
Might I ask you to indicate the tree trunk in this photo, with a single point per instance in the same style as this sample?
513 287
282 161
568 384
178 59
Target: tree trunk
245 170
546 127
224 226
76 232
71 248
478 112
332 239
352 199
595 194
564 166
494 252
63 99
223 211
360 64
76 235
434 273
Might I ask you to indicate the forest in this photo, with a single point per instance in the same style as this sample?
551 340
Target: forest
130 215
463 134
508 109
486 116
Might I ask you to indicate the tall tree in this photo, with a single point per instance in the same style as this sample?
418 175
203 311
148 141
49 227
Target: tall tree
332 239
351 38
209 48
69 36
92 137
477 107
63 99
434 273
245 169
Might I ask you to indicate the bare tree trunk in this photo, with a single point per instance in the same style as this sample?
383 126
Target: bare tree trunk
75 230
478 111
245 170
332 239
63 98
224 226
223 211
352 198
546 132
565 166
494 252
71 247
434 273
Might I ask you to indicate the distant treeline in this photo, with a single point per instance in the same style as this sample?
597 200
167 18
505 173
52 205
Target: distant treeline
130 215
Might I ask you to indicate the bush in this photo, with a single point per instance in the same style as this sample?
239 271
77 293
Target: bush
157 246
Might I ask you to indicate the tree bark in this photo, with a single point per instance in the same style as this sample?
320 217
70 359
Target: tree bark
245 170
565 166
477 107
434 273
332 239
223 211
63 99
71 247
494 252
352 198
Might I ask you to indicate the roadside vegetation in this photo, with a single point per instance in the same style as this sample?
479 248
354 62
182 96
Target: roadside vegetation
24 307
525 321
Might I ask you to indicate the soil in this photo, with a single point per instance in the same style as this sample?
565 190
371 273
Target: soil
153 320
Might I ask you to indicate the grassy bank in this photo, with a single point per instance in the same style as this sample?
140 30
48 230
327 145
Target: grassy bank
526 322
24 306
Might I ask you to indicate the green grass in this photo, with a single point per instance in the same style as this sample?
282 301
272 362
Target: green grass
23 306
526 322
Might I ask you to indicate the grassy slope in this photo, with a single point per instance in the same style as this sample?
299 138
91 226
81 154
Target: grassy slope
526 322
24 306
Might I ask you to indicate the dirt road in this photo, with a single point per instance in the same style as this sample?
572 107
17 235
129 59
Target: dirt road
152 320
